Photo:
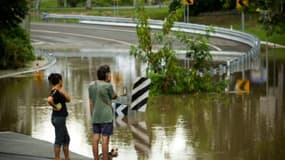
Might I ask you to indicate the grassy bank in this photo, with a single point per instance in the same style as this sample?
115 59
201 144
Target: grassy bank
153 13
276 53
234 21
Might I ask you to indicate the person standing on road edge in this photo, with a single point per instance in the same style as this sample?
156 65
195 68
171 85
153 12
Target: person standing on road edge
101 93
57 99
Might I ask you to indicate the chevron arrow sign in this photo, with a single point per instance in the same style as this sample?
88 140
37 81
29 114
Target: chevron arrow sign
120 109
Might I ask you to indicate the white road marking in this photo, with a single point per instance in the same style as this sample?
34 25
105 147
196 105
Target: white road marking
85 27
84 36
109 29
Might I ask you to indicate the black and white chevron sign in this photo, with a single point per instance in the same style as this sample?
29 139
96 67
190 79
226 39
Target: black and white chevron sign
140 93
139 98
120 109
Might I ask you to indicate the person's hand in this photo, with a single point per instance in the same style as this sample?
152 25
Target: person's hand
61 91
57 87
67 97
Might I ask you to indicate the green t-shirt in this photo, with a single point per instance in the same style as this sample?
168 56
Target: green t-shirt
101 93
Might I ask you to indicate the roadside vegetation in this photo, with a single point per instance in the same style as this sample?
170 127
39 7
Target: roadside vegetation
168 76
15 46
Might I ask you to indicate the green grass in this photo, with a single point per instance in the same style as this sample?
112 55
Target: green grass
153 13
274 53
48 3
234 21
277 53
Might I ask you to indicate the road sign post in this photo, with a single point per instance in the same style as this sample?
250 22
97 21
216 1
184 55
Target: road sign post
242 5
187 3
187 20
116 7
242 21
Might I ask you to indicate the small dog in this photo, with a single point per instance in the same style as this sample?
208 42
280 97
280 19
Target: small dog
113 153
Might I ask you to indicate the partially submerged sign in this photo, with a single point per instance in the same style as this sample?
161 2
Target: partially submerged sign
242 86
139 97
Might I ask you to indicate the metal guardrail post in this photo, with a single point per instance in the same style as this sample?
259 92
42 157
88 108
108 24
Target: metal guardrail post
228 69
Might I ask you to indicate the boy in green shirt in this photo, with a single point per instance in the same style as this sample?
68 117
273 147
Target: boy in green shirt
100 95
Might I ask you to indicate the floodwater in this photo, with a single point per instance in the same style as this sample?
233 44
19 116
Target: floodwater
181 127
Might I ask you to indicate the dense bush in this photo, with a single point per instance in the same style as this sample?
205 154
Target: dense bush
201 6
15 45
15 48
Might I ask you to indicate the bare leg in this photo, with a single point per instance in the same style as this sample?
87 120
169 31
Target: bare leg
57 152
66 152
105 147
96 138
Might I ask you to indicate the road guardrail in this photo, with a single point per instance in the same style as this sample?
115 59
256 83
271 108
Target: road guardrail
250 59
50 60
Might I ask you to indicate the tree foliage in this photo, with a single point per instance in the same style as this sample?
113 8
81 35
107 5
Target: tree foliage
164 69
271 16
12 12
201 6
15 45
15 48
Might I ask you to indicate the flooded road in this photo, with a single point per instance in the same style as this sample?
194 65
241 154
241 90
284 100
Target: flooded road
182 127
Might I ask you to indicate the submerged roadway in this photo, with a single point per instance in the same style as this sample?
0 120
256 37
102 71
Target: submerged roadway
84 36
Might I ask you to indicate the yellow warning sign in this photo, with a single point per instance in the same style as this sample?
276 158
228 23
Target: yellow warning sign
240 4
188 2
242 86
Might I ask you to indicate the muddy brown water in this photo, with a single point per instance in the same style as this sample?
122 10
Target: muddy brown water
175 127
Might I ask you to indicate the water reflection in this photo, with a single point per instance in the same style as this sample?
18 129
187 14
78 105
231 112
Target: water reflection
226 127
203 126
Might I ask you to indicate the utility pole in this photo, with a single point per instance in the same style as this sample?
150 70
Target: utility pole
116 7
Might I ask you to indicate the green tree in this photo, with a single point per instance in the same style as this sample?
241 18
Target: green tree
229 4
167 75
174 5
15 45
272 16
201 6
12 12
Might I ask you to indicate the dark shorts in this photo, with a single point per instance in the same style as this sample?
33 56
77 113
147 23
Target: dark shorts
106 129
61 133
